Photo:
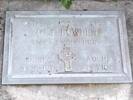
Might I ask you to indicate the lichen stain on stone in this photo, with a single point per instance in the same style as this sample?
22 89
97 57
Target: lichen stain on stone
4 95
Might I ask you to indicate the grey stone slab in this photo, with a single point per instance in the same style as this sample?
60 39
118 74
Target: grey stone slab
37 5
3 5
2 15
56 47
34 5
82 91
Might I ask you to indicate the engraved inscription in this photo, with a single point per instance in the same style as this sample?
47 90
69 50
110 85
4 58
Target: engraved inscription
99 63
70 45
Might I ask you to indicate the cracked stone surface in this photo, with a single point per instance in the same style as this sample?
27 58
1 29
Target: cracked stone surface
67 92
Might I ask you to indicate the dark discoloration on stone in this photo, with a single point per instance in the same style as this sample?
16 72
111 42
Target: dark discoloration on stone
2 18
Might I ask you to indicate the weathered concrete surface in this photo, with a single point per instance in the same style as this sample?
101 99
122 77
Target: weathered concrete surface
68 92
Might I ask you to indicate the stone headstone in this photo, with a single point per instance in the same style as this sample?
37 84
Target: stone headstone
57 47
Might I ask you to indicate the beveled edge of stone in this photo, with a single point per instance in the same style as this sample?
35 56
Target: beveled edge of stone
125 77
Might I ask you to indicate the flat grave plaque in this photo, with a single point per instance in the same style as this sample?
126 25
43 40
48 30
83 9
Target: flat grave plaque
57 47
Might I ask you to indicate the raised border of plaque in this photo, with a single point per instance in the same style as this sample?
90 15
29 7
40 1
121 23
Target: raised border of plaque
8 77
